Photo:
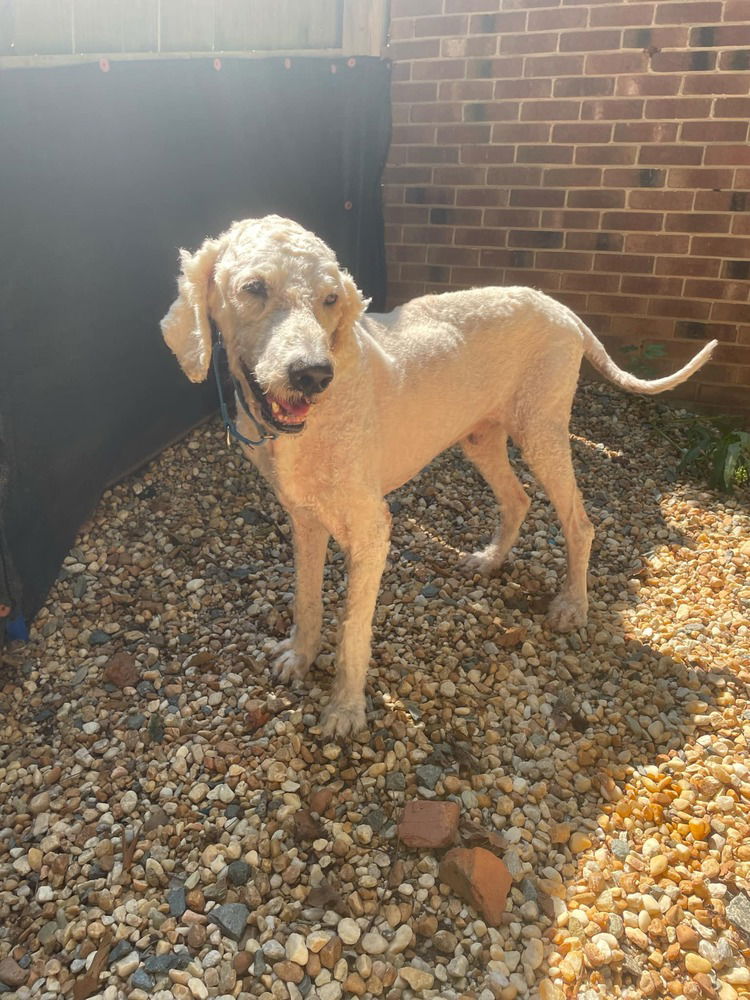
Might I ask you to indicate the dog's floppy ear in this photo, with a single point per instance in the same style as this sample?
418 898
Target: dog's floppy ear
186 327
353 305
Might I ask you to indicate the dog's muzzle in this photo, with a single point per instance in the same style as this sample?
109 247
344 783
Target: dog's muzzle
288 412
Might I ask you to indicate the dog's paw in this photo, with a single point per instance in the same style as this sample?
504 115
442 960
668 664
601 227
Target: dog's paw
288 664
485 561
341 719
565 615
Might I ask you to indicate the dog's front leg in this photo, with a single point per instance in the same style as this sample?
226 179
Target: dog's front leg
292 657
365 544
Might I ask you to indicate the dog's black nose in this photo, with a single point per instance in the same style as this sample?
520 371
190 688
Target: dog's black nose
310 379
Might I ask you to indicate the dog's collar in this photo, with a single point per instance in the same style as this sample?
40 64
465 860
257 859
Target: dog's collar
219 353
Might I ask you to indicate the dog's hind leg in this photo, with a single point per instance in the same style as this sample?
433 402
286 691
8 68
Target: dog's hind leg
546 447
365 539
292 657
487 448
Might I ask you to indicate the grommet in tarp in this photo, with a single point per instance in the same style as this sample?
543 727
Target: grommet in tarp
347 206
334 68
4 610
104 65
351 62
287 63
217 65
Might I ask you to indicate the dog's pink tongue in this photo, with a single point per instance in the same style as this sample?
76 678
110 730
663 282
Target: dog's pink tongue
296 409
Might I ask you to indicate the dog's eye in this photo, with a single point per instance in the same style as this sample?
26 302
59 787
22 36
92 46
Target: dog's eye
330 300
256 287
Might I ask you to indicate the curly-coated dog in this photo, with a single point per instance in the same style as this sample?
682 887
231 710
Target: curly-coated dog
355 405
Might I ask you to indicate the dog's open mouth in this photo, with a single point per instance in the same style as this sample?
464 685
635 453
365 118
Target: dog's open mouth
287 414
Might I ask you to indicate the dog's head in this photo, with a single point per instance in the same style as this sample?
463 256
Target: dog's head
284 309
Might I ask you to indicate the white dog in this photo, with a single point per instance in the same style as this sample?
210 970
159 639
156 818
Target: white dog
350 407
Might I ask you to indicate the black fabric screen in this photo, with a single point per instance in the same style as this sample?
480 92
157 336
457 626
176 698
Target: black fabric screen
105 171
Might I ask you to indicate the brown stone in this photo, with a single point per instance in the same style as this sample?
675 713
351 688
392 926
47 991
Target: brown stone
429 824
688 938
313 966
196 937
241 963
330 953
321 799
480 878
289 972
121 670
195 900
426 925
354 983
11 973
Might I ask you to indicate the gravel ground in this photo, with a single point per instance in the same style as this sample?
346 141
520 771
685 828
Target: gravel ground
172 824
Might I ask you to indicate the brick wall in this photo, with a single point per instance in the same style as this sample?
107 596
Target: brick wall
597 150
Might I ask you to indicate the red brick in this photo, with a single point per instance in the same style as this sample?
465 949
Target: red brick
573 176
720 201
688 266
716 83
589 41
616 62
564 260
660 200
427 234
521 132
536 238
412 254
712 131
425 272
728 154
697 222
656 243
634 305
470 277
456 47
480 196
611 109
432 154
429 824
634 177
718 246
506 217
498 21
629 221
587 282
438 27
430 195
476 237
671 154
700 177
646 284
460 175
626 263
643 85
557 65
730 107
438 69
497 111
494 69
584 86
596 199
677 108
622 15
463 133
507 258
582 132
534 197
569 219
655 38
409 49
479 878
523 87
707 288
461 256
611 242
455 217
606 154
565 17
486 154
549 153
645 131
550 110
515 175
679 308
527 43
435 113
672 12
409 92
720 35
690 61
465 90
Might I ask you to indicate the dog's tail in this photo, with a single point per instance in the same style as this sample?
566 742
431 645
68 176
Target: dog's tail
597 355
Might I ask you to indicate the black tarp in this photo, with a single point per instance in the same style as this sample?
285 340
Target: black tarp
105 170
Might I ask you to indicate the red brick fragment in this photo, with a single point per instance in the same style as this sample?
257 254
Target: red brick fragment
479 877
429 824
